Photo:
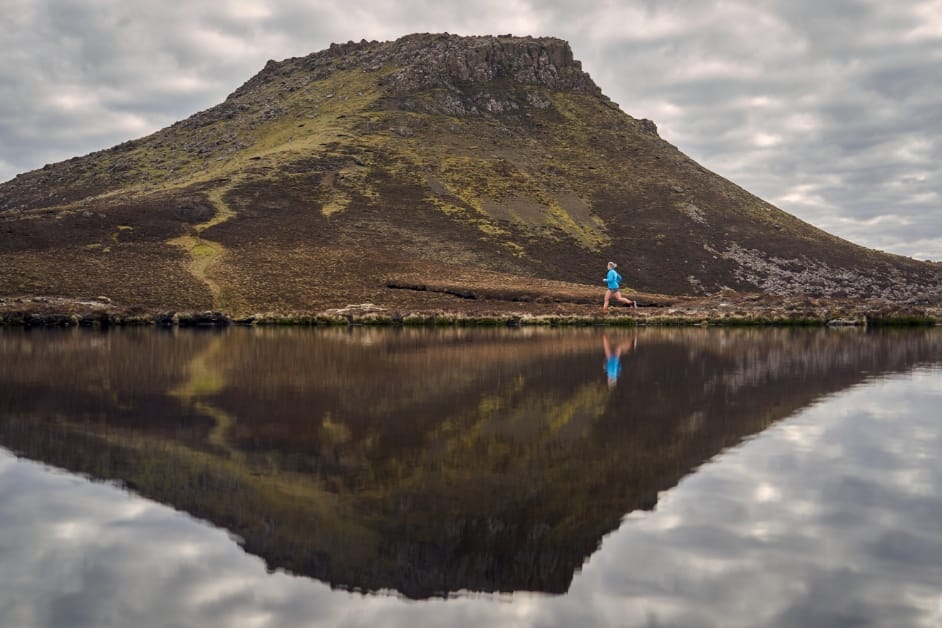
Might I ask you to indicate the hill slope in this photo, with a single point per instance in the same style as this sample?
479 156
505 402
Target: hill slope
431 161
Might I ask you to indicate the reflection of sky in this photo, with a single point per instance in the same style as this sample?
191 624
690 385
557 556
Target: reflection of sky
829 518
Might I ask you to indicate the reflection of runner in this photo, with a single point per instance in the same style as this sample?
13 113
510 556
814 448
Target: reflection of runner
613 365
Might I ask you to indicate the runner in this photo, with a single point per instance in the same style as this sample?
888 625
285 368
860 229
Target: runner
612 283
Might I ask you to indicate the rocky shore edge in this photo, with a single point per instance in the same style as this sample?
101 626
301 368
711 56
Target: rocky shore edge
742 310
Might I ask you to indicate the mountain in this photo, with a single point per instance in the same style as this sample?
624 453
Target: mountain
411 174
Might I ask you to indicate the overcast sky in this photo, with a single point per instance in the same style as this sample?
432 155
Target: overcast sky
829 109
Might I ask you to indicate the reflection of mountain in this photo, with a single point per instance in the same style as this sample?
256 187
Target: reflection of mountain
425 462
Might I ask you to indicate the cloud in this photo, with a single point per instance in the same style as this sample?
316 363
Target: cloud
842 98
798 93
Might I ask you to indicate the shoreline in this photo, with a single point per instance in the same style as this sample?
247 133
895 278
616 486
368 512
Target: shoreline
748 311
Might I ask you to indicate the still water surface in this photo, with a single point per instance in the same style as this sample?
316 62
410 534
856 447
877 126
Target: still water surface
295 477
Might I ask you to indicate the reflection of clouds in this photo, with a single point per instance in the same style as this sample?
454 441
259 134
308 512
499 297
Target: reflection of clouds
841 543
802 437
148 565
831 517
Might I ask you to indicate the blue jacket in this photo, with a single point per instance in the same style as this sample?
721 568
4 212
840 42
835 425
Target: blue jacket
613 367
612 279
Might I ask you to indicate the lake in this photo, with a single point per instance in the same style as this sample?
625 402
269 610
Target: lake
470 477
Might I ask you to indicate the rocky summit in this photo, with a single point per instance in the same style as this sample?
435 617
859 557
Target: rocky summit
434 172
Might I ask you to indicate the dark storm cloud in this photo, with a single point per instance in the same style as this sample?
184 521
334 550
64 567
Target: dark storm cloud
830 110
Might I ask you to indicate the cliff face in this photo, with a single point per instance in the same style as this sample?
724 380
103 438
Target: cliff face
447 61
326 179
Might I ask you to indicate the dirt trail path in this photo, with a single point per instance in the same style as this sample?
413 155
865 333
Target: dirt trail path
205 254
